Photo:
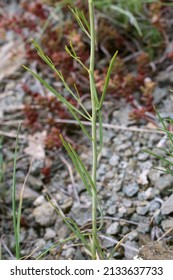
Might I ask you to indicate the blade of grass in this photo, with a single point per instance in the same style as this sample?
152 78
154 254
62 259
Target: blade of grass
85 177
21 198
16 230
165 129
106 83
73 110
131 17
71 224
1 161
100 132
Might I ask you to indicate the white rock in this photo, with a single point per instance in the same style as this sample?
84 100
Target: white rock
44 214
39 200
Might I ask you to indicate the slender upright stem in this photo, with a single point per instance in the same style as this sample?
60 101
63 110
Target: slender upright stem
94 120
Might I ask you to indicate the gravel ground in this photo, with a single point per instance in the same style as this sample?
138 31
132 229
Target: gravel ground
136 199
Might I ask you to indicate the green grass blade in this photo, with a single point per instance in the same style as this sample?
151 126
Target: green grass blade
16 230
100 131
83 168
159 157
57 244
107 79
78 166
165 129
58 95
131 17
80 123
72 225
1 162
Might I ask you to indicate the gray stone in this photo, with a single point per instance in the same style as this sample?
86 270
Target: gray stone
128 152
142 196
142 179
67 204
142 210
113 229
49 234
106 152
69 253
111 210
127 203
114 160
102 169
130 249
133 235
39 200
44 214
153 175
121 211
159 94
108 243
150 193
40 243
167 224
167 206
123 147
28 195
164 182
109 175
165 77
81 215
131 189
154 205
143 156
36 183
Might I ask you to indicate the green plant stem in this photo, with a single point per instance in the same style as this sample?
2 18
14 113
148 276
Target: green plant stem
94 120
16 229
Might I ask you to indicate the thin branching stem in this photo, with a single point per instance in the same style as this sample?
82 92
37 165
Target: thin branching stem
94 121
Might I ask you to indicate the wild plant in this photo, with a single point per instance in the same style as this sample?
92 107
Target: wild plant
90 240
164 149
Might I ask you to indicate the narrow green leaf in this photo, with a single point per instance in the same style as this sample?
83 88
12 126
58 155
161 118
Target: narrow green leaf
77 165
15 226
83 168
131 17
58 95
81 20
77 58
80 123
165 129
107 79
159 157
72 225
100 131
93 88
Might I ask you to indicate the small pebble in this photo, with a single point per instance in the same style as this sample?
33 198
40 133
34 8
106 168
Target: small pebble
113 229
131 189
39 200
111 210
49 234
142 210
114 160
143 156
154 205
